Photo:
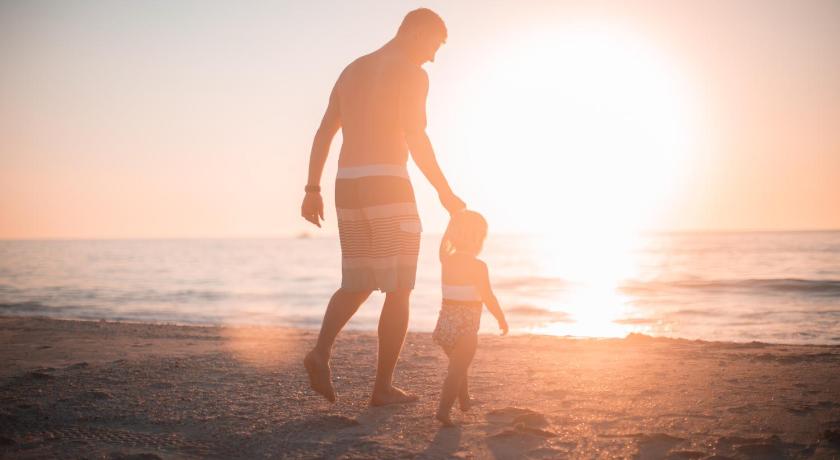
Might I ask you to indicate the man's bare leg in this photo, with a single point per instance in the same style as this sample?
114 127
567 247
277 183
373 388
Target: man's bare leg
393 324
343 305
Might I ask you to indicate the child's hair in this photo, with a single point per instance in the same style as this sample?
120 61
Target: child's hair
466 232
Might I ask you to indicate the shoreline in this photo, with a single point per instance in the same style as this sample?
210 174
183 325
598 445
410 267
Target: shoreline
350 329
114 389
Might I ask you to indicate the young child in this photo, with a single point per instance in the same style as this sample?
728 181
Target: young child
466 286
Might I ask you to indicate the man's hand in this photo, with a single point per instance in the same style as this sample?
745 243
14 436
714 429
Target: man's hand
452 203
503 325
313 208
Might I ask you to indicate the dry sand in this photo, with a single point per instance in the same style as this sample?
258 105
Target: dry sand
118 390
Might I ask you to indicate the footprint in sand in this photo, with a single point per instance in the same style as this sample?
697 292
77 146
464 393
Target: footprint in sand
522 421
656 445
533 419
516 442
508 414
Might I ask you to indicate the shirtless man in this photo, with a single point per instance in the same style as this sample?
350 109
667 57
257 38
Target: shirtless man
379 102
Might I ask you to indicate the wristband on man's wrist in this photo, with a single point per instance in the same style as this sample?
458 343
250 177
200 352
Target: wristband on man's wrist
312 189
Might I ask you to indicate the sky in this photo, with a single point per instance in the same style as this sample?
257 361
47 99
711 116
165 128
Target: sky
178 119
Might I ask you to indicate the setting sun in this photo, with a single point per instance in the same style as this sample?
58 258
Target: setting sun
609 119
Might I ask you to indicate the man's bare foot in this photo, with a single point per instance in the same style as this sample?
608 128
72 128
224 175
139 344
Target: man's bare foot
394 395
444 419
319 375
465 404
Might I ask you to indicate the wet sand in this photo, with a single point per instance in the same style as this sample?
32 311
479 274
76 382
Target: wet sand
118 390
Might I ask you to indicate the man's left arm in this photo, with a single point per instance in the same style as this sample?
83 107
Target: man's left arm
413 114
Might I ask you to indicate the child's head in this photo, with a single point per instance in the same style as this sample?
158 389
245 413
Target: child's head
465 233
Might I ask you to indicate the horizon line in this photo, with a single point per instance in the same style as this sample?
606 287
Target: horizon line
307 235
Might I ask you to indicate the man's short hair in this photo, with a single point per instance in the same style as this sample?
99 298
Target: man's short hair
423 18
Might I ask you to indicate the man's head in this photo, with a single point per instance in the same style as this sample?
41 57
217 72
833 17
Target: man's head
422 32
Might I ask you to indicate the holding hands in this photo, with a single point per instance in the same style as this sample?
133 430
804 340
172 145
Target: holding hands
451 202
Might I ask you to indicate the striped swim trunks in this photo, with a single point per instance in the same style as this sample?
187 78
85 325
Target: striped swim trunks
378 226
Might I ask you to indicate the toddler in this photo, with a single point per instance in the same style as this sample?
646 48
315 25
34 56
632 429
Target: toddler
466 287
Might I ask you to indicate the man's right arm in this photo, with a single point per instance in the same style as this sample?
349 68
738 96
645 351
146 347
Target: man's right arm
313 205
413 105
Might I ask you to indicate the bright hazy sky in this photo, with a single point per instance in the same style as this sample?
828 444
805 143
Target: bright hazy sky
195 118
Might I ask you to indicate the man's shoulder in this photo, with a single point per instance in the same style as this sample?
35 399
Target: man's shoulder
379 65
402 68
354 66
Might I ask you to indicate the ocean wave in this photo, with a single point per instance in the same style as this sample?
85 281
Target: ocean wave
175 316
818 287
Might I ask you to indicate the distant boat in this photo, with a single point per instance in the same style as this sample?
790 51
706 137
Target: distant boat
304 235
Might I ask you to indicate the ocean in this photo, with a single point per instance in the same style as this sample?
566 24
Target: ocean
779 287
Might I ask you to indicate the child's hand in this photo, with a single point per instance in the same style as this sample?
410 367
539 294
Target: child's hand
503 325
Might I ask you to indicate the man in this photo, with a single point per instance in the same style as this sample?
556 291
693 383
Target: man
379 102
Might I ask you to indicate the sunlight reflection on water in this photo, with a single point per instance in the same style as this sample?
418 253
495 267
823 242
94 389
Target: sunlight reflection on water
595 267
782 287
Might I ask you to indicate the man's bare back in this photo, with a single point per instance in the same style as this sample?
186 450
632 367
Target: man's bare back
380 96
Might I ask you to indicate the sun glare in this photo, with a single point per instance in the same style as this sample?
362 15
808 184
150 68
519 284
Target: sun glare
607 117
612 124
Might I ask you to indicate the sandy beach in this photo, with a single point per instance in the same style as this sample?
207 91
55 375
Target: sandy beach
121 390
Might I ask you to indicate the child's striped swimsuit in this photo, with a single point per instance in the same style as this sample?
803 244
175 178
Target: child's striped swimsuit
460 315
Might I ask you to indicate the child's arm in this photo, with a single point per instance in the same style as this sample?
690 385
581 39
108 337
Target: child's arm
489 298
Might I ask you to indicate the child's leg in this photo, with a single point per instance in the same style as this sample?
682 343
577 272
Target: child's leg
464 395
459 361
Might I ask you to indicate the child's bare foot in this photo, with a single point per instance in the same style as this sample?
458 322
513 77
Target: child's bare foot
443 418
319 375
393 395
